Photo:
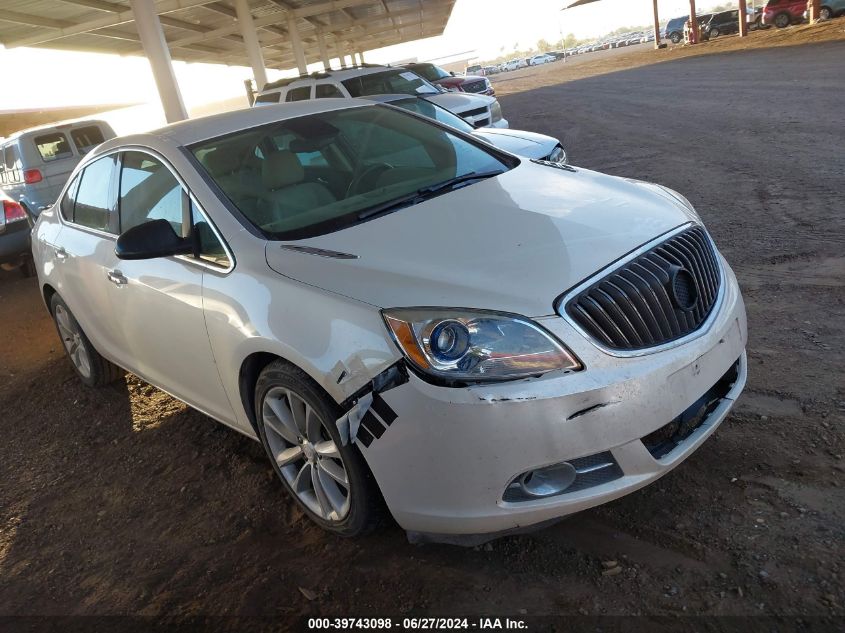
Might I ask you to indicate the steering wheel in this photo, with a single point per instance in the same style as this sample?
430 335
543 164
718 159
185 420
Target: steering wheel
367 178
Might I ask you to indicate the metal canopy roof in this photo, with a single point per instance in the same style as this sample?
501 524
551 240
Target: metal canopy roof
207 31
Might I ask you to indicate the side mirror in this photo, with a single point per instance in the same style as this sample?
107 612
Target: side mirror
452 73
150 240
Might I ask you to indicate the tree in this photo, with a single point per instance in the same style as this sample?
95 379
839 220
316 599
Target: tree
570 41
543 45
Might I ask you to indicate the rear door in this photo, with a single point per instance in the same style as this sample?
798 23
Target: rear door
159 302
85 254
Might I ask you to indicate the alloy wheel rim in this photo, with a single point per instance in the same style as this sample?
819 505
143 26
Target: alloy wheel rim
305 454
72 340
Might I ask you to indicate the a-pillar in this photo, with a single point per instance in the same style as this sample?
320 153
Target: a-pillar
155 47
253 46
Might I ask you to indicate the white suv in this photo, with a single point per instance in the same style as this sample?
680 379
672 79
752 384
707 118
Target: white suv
365 81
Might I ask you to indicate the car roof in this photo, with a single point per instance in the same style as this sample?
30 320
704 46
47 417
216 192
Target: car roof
339 75
208 127
58 127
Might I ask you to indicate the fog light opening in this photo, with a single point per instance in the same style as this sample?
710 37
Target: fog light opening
549 481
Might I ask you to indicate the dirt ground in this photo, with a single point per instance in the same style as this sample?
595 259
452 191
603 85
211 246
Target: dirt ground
124 501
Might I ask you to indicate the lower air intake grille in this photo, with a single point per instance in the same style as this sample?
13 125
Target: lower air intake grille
660 296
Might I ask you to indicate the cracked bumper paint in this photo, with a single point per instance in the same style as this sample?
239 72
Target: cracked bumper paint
445 462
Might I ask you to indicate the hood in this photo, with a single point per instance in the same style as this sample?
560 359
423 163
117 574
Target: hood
520 142
450 82
460 102
511 243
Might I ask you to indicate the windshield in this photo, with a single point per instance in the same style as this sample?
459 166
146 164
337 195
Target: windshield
403 82
320 173
430 72
428 109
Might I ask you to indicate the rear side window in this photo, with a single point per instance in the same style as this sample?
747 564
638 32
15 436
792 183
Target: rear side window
299 94
86 138
53 146
327 91
68 200
270 97
93 205
13 165
148 191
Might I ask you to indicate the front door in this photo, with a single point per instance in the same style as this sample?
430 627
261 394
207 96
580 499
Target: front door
158 302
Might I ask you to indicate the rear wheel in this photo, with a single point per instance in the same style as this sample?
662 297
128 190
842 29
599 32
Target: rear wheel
92 369
296 425
782 20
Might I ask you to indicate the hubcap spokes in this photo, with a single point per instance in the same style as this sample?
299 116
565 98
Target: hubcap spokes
72 340
305 453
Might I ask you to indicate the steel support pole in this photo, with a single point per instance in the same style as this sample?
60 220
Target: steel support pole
155 48
361 56
324 52
743 18
253 46
340 56
813 9
296 45
656 26
696 32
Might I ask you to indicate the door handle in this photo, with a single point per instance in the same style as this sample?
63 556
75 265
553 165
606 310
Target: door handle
117 278
61 253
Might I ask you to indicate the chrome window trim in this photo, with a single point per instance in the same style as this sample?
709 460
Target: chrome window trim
196 261
560 302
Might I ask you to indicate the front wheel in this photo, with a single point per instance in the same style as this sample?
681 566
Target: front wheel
296 425
675 37
713 33
825 13
92 369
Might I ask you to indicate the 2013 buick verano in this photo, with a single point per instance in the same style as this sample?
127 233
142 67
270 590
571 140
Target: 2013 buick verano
399 311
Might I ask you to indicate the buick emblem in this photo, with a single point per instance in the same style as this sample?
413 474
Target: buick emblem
682 287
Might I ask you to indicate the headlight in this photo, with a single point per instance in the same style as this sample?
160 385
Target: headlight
476 346
558 155
495 112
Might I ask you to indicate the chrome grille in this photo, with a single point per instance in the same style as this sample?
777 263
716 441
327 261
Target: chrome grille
660 296
474 86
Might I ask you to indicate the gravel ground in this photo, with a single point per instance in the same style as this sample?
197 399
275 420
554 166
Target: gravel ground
124 501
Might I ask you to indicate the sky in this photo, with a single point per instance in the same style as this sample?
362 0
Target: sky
490 28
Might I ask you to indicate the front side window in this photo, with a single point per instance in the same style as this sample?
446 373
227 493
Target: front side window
299 94
53 146
93 205
148 191
86 138
380 159
388 82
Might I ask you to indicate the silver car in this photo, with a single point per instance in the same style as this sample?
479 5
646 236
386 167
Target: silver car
401 314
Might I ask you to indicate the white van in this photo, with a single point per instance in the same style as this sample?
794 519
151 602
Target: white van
35 163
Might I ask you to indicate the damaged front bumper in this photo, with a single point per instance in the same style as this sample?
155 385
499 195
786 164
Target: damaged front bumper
446 459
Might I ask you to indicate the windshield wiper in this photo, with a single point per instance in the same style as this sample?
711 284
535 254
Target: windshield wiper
425 193
457 180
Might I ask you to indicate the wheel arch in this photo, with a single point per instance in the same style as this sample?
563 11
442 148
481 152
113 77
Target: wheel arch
47 293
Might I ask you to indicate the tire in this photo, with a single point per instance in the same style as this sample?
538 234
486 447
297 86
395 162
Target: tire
92 369
28 267
311 457
713 33
782 20
675 37
825 13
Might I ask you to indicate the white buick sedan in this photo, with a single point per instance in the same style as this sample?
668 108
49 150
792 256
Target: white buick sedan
402 314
